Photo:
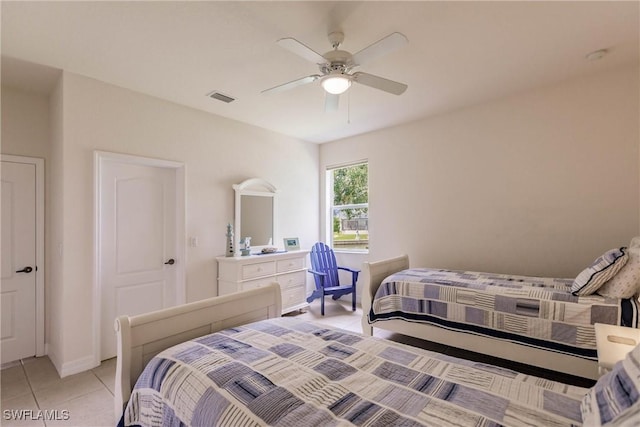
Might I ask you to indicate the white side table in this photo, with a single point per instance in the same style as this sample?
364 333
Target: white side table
613 343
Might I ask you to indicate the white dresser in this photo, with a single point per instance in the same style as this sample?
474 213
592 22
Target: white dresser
289 269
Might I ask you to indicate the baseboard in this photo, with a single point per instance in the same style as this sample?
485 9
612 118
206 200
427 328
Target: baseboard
69 368
53 357
10 364
76 366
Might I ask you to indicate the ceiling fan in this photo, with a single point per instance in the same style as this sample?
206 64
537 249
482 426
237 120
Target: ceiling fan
336 66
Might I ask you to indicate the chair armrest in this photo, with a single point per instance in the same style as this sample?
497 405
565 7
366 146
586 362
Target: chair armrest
354 274
352 270
317 273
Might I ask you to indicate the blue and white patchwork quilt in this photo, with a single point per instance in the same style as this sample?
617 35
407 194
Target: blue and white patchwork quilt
286 372
535 311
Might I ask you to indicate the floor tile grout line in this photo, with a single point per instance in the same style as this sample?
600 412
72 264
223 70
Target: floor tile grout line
102 382
26 377
38 404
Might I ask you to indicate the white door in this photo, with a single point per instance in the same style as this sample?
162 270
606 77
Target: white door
138 237
18 297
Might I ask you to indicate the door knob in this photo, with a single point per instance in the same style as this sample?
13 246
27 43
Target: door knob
25 270
170 262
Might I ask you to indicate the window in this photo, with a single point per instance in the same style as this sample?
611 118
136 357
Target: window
348 201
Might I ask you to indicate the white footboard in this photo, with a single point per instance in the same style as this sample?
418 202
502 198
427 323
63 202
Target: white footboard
377 272
142 337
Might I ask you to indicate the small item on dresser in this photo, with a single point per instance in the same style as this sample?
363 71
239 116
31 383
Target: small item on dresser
291 244
269 250
230 250
245 245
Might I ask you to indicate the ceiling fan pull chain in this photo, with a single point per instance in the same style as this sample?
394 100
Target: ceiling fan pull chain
349 107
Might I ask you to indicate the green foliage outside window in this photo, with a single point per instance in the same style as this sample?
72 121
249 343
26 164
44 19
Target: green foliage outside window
351 186
350 213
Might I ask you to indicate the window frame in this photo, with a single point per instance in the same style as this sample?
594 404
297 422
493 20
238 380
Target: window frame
330 207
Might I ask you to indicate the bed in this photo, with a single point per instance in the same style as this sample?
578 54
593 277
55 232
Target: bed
288 372
530 320
140 338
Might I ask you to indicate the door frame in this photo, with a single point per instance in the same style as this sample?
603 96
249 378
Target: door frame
40 250
99 160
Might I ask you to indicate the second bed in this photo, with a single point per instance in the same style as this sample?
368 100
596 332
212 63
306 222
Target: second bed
531 320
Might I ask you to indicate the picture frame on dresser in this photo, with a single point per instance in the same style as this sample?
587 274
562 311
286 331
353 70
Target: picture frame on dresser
291 244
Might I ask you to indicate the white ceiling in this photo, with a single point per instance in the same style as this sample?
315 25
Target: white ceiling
459 53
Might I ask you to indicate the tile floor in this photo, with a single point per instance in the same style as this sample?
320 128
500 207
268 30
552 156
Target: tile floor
33 384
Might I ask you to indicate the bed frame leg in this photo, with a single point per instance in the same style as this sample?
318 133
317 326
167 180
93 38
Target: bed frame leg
367 329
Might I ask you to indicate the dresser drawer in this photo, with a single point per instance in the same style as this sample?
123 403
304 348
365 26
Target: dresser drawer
292 279
250 271
288 269
293 296
290 264
253 284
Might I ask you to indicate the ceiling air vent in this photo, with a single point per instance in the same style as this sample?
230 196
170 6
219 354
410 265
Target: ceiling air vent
220 96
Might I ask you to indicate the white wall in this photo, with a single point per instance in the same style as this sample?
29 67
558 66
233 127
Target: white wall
26 131
89 115
54 286
539 183
25 123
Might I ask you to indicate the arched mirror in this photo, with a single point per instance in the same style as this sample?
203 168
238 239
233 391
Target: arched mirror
255 212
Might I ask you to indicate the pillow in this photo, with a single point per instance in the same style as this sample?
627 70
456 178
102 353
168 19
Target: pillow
615 398
602 269
626 282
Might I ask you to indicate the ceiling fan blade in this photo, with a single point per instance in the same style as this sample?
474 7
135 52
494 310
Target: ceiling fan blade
382 47
331 102
293 83
381 83
302 50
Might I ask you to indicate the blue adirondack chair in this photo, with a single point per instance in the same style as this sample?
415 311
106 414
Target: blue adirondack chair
325 273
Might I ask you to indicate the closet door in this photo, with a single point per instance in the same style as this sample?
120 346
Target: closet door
19 269
138 261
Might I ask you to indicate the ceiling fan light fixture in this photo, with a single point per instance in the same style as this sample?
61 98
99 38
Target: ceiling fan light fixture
336 83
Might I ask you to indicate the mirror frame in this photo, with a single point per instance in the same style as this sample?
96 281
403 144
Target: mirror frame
254 187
